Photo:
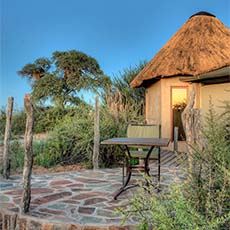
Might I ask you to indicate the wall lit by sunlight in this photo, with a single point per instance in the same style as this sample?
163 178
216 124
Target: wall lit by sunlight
179 95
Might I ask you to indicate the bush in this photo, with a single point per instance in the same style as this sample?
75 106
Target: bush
18 123
202 201
45 120
209 183
38 150
2 124
169 211
71 140
16 155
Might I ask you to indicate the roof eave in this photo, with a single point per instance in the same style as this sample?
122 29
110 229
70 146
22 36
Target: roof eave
225 71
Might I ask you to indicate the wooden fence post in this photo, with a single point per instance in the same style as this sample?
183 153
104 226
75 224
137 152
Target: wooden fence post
175 141
192 126
96 146
28 159
6 148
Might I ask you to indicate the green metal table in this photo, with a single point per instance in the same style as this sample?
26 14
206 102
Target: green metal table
149 143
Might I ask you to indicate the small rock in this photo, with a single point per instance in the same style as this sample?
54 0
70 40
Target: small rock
94 200
86 210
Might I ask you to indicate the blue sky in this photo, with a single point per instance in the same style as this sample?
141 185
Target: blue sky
118 33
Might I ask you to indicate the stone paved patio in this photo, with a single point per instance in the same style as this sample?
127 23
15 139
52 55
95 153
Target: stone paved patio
84 197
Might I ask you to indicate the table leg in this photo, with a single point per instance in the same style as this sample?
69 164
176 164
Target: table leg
123 172
147 161
159 169
128 171
147 169
124 187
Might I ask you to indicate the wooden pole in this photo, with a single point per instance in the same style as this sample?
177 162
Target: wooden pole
96 145
175 141
28 159
192 126
6 148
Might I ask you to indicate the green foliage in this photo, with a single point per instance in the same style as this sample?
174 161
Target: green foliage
60 79
130 97
69 121
80 70
35 70
2 124
200 202
71 140
121 98
168 211
18 122
110 127
41 157
209 184
45 119
16 155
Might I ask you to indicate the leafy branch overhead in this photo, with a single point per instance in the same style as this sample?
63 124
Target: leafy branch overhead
35 70
61 77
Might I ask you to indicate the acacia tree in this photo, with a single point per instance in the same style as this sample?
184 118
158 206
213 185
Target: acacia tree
60 78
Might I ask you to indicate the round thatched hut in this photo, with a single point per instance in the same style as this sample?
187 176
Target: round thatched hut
198 53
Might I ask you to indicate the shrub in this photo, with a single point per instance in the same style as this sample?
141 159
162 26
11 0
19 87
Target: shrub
208 187
16 155
47 117
39 158
202 201
2 124
71 140
169 211
45 120
18 123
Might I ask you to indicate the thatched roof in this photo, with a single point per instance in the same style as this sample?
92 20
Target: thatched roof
201 45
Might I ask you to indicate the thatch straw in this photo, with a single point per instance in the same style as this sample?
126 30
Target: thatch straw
200 46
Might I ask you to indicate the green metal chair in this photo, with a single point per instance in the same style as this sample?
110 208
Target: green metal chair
142 131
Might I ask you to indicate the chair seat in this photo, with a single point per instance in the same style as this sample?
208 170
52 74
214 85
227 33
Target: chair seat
141 154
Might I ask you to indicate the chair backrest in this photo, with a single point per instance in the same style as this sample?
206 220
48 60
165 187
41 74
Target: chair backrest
136 130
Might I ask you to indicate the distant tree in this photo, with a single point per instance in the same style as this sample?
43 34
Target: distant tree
62 77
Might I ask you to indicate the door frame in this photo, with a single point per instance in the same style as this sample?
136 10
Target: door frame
171 104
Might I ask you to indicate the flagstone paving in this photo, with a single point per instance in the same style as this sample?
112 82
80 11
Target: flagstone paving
83 197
